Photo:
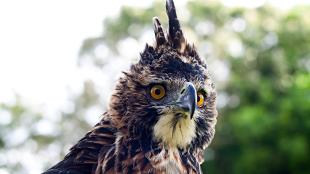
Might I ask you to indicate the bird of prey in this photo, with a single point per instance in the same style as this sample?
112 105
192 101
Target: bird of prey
161 116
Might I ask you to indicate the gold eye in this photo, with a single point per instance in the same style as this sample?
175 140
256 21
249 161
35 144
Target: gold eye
158 92
200 100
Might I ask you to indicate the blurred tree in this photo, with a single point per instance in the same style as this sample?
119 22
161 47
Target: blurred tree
259 58
31 141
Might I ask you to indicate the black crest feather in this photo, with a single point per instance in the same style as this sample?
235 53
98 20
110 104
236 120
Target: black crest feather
175 36
159 32
175 33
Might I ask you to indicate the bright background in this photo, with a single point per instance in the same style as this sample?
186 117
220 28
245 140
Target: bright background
59 61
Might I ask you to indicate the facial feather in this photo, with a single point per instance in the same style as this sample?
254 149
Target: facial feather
178 135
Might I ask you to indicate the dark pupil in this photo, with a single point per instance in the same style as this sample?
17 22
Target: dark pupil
198 98
157 91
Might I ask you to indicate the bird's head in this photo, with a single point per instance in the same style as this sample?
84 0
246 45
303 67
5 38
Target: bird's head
168 95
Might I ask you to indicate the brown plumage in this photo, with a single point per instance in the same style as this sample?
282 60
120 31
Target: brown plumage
161 116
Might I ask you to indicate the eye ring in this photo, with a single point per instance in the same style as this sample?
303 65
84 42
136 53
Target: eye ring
157 92
200 99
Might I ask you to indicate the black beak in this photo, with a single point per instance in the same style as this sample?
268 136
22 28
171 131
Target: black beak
187 100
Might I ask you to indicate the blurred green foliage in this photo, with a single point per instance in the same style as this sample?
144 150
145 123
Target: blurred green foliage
264 103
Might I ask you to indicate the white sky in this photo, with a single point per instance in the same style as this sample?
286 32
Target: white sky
39 42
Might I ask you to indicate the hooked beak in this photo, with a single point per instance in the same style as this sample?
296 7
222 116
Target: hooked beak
188 99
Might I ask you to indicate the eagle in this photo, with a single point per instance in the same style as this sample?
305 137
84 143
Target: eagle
161 116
